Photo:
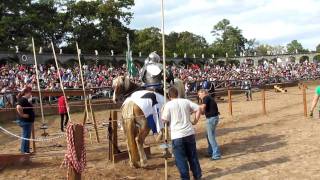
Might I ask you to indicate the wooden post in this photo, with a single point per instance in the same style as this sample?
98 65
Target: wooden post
166 158
33 136
78 142
304 94
263 93
94 121
85 117
114 131
230 101
110 137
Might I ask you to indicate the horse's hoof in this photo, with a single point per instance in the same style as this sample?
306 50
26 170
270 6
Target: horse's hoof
143 164
134 165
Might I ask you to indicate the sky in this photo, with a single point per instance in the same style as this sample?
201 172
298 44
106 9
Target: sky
274 22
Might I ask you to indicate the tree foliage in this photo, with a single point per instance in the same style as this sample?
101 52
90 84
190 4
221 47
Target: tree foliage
294 46
103 25
147 40
95 25
187 42
228 39
318 48
263 49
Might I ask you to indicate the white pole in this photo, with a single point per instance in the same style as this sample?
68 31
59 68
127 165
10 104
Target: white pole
61 83
82 82
164 86
38 82
163 52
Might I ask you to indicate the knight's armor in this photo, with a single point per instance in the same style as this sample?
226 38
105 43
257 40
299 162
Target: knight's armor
152 73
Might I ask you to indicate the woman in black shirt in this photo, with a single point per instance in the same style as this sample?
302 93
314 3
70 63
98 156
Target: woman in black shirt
25 117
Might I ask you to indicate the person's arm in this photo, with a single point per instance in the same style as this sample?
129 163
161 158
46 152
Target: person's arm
195 108
202 106
165 114
20 112
315 100
314 103
197 117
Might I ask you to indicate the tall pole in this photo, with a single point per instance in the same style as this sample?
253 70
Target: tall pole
263 94
129 68
60 79
37 77
304 95
83 85
164 88
230 101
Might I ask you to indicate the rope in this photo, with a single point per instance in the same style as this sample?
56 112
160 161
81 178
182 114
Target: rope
51 106
70 158
27 139
61 84
38 82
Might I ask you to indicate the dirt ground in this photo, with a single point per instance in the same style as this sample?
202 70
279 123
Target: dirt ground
282 145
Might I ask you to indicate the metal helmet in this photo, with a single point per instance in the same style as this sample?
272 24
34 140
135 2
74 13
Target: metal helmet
153 58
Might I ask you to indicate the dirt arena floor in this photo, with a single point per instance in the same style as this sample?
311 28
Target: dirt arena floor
282 145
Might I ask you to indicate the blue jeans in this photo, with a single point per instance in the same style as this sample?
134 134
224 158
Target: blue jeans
185 150
213 148
26 133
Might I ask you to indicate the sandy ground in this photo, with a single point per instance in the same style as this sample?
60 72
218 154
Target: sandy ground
281 145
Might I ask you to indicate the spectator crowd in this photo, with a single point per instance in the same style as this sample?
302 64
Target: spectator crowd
16 77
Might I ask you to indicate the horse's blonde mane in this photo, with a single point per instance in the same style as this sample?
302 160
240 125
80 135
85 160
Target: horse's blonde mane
121 81
126 82
117 81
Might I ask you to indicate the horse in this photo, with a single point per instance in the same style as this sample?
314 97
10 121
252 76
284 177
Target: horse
134 123
123 87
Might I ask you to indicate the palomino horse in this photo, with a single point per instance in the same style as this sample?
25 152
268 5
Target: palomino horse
134 123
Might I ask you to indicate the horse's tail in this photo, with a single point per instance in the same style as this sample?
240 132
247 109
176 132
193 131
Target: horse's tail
130 130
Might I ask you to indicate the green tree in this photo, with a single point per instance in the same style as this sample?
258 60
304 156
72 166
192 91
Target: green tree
318 48
46 23
251 44
13 27
147 41
294 46
229 39
263 49
98 25
191 44
171 44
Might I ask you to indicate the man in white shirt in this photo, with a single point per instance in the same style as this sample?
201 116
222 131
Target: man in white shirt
177 113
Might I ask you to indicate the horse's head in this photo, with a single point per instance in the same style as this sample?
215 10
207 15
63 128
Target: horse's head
120 86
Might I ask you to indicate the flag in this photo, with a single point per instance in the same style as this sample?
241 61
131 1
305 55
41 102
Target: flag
132 70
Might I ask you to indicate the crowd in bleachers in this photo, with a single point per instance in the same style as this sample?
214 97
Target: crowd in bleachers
16 77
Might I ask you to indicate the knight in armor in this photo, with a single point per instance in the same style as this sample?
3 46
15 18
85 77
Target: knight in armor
152 73
246 85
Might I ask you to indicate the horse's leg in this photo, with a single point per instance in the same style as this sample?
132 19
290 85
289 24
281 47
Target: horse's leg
143 133
125 134
131 132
